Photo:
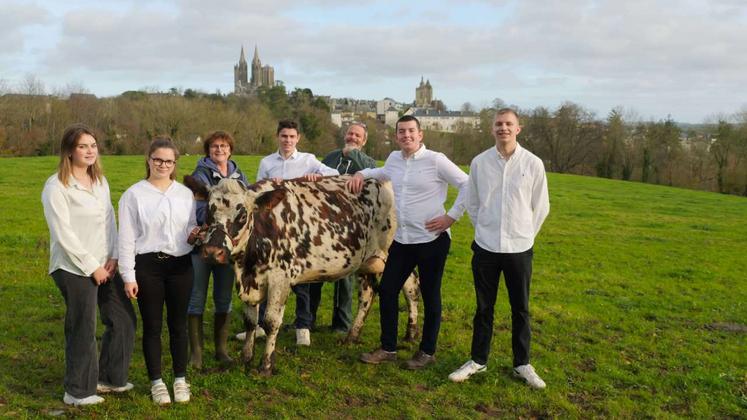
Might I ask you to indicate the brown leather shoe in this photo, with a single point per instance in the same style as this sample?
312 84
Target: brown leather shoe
378 356
419 360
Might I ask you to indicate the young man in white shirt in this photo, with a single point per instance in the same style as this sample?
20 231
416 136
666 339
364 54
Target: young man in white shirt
420 179
507 202
289 163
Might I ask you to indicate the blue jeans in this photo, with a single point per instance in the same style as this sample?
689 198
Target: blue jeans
223 279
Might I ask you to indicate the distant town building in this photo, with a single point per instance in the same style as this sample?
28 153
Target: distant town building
260 75
447 121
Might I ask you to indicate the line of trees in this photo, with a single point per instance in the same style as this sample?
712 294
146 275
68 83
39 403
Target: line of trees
570 139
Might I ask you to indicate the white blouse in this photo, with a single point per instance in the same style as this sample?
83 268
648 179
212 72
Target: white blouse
82 230
151 220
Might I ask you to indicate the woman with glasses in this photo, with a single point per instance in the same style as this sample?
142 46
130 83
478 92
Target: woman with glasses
157 224
210 170
83 265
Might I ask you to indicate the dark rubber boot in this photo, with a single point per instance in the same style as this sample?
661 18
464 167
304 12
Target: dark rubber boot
220 334
196 339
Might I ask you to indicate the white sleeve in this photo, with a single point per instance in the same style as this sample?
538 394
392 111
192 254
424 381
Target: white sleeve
540 198
111 223
57 213
473 198
325 170
128 228
262 171
455 176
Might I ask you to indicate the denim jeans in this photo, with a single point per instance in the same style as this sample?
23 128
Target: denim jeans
223 281
342 305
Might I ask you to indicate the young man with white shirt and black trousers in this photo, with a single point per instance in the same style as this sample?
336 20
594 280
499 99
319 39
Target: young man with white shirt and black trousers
156 228
507 202
289 163
420 179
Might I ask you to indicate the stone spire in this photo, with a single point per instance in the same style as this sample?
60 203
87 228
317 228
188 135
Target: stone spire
242 59
255 60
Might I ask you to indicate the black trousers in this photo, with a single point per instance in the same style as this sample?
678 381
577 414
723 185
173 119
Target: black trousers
517 273
82 368
430 258
164 280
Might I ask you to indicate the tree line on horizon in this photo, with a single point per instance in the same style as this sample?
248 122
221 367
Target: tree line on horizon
569 138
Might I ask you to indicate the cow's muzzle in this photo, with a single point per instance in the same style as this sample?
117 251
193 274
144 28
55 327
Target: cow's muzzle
215 254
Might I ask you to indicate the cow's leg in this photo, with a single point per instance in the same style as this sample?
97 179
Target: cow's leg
276 298
251 315
366 295
412 296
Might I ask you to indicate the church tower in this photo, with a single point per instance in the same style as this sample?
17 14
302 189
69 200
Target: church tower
240 74
424 94
256 69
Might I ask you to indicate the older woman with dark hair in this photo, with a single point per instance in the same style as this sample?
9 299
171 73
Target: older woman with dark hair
83 264
210 170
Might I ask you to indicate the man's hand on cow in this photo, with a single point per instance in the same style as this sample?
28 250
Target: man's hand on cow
277 179
131 290
312 177
111 267
100 276
439 224
355 183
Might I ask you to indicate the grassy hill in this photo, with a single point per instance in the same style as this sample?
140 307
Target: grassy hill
638 302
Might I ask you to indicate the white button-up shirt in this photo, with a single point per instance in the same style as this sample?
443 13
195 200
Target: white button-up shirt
297 165
420 185
507 200
151 220
82 229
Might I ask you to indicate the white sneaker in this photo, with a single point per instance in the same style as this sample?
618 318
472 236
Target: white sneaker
303 337
527 373
181 392
160 394
89 400
468 369
258 333
103 388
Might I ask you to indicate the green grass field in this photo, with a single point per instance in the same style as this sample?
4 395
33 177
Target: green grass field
638 303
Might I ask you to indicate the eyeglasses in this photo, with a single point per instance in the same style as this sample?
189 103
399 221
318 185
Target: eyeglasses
220 146
163 162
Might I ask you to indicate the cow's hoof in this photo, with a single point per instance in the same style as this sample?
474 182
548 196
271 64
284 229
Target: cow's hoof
265 372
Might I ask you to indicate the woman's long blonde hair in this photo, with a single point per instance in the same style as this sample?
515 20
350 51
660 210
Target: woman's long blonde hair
69 142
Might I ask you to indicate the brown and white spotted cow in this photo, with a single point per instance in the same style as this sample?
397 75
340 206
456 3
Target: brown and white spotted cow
279 234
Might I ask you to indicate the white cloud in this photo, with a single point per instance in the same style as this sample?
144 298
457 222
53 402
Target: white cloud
658 56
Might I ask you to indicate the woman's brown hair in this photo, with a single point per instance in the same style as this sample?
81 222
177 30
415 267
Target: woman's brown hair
67 146
161 142
217 135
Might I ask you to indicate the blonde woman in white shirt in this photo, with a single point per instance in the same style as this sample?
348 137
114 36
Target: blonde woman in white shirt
157 222
420 179
83 264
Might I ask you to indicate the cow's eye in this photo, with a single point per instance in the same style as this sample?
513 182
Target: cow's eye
242 218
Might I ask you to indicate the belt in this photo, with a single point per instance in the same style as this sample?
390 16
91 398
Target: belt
163 256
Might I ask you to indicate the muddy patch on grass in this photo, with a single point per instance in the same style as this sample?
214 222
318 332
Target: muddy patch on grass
732 327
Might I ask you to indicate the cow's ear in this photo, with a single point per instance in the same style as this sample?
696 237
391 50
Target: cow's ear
270 199
200 191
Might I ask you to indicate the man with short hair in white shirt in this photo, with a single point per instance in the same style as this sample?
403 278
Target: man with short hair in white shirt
507 202
289 163
420 179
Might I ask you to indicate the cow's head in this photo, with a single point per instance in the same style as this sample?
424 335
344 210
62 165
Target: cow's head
230 214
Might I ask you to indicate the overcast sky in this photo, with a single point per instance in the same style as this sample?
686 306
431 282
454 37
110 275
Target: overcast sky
687 59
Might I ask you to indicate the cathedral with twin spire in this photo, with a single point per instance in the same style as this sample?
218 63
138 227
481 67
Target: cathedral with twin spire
260 75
